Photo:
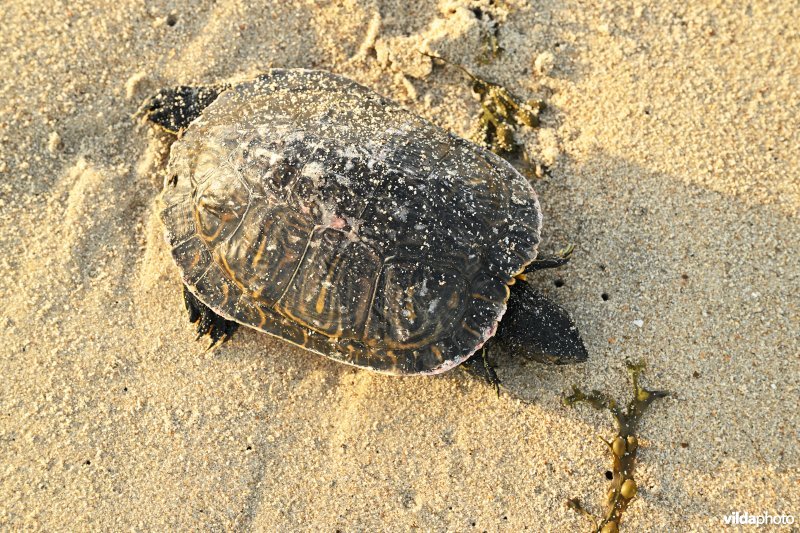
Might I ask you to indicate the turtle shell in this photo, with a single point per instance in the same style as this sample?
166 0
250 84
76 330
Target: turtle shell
306 206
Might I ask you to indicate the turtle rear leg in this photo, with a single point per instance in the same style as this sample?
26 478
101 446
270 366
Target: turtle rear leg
208 322
175 108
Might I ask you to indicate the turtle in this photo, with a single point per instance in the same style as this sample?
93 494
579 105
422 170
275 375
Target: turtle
306 206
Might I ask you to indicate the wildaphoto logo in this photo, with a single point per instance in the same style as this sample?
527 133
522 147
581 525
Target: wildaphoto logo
746 518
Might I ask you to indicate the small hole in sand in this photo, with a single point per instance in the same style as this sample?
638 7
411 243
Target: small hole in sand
604 296
171 20
609 475
559 282
685 276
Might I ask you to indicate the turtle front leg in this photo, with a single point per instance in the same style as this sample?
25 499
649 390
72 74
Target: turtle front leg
560 259
208 322
175 108
479 366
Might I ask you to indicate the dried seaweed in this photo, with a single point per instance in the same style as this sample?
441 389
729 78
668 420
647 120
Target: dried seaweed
501 116
624 447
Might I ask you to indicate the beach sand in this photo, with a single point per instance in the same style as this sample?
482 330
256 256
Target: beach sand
672 135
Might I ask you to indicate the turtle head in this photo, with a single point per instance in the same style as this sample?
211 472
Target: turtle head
536 328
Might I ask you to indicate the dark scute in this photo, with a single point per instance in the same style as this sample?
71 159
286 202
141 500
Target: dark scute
539 329
268 249
331 291
416 304
193 258
220 203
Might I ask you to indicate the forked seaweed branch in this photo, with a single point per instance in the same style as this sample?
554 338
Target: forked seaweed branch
624 447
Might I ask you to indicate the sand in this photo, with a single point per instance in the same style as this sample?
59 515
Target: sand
672 135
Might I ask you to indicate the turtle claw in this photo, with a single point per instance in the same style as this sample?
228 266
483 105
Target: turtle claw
478 366
219 334
207 322
561 258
